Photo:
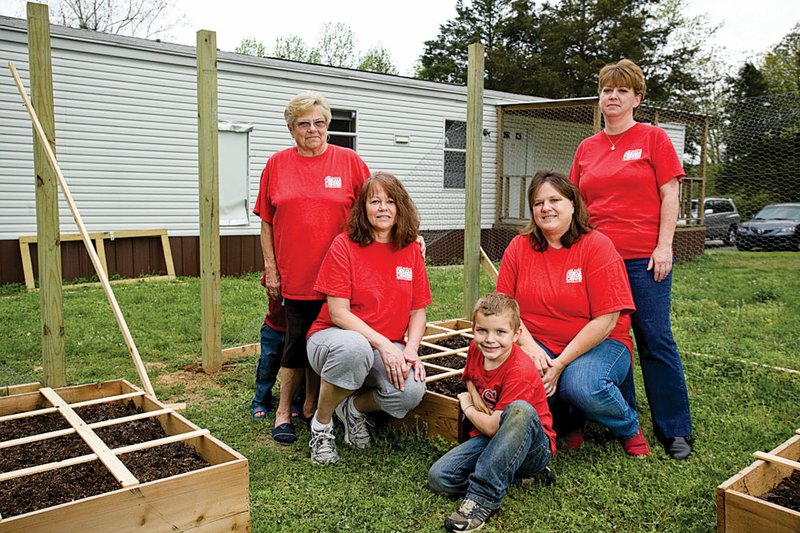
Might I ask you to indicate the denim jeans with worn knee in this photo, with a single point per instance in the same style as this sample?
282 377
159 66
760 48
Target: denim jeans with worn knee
269 362
482 468
662 369
591 384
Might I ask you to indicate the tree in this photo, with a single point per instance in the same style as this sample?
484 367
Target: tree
377 59
556 50
445 58
136 18
336 46
291 47
250 46
781 68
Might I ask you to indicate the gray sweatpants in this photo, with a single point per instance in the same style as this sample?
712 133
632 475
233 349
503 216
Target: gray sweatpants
345 359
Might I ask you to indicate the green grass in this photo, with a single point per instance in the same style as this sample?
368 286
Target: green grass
728 308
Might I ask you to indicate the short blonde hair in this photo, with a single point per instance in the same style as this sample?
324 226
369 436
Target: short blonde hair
304 102
624 73
497 303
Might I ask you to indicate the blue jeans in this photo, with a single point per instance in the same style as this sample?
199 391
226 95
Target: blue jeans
662 369
482 468
269 362
591 384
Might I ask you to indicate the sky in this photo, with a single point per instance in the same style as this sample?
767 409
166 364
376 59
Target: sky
748 28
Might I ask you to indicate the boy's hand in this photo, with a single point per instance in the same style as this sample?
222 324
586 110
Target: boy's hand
465 401
477 401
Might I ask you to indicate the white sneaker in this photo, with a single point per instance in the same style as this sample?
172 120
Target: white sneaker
323 447
356 427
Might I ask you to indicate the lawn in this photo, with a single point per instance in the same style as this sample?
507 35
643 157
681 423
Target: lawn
734 316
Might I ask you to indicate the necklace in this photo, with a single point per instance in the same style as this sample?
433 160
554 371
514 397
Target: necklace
612 143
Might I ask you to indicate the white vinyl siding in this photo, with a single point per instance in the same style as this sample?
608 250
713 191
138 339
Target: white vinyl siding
126 130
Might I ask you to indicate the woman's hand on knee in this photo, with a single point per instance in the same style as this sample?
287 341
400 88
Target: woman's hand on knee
550 378
412 359
395 364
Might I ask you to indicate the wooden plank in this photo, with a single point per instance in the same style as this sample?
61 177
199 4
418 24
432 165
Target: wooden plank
161 442
777 459
452 373
440 415
211 499
27 414
107 399
474 173
27 265
100 248
208 175
51 307
467 332
38 469
240 351
455 351
748 514
167 249
488 266
64 237
120 472
9 390
126 334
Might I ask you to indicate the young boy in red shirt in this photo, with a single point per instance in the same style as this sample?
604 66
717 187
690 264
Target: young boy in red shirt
513 438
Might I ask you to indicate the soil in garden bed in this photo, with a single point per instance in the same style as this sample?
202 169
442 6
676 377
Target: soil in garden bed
39 491
447 386
451 343
787 493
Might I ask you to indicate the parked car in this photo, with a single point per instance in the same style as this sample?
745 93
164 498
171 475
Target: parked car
720 218
775 227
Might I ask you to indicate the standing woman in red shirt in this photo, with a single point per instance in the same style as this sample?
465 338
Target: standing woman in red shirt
628 173
575 304
377 289
304 199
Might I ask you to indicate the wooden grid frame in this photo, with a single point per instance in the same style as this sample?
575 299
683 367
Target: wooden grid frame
214 498
739 508
99 239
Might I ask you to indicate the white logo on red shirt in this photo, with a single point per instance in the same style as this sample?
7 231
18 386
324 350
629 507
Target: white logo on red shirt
333 182
632 155
404 273
574 275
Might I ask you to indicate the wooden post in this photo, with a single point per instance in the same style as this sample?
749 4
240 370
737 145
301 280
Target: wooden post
208 166
47 226
472 187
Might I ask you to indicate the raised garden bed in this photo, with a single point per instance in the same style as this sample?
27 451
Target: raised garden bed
106 457
443 352
765 496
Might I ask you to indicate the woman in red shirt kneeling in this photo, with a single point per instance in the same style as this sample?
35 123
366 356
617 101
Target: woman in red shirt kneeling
376 286
575 303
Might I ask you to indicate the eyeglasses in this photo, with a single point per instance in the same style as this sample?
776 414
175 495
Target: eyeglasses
305 125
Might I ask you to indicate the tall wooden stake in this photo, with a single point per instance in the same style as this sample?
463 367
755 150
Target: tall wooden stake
47 226
208 162
87 241
472 188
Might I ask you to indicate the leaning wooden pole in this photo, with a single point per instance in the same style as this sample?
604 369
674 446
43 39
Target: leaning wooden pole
208 175
51 305
472 188
87 241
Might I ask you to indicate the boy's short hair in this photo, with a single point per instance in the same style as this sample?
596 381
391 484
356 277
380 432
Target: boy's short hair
497 303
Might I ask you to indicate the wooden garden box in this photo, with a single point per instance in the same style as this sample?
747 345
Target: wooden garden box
214 498
739 509
438 414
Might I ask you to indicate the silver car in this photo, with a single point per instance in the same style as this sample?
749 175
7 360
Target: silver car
721 219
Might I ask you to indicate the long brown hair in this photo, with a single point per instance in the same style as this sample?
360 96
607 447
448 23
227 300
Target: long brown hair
580 218
406 225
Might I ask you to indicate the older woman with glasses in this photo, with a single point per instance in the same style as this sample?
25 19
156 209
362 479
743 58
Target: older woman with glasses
304 199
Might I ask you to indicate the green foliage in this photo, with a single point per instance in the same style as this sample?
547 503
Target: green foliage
556 49
377 59
291 47
250 46
731 312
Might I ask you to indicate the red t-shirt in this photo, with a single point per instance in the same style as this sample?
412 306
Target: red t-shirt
516 379
560 290
621 187
307 200
383 284
276 317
